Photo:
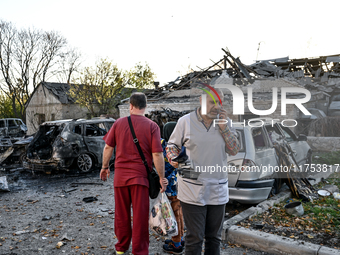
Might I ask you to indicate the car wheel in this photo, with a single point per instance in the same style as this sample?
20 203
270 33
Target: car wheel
84 163
22 158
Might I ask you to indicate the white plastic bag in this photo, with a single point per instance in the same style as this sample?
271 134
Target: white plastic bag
162 218
156 221
169 216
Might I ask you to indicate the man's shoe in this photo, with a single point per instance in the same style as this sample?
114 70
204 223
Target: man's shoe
167 241
120 252
172 249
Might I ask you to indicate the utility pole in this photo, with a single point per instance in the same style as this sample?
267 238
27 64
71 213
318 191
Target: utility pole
258 49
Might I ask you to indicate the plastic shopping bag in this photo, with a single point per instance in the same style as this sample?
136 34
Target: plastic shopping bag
162 219
169 216
156 221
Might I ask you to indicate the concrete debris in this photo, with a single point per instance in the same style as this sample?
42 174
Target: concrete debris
90 199
165 115
22 232
3 184
315 74
46 217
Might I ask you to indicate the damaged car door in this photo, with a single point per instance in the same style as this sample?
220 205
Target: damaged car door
93 138
70 144
301 150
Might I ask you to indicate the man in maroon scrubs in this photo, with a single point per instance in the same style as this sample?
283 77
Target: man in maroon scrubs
130 179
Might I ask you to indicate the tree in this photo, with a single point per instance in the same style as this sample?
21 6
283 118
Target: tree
69 63
27 57
101 89
141 77
6 109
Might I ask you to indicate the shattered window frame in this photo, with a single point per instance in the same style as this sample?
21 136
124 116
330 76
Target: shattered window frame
256 143
11 122
80 129
95 127
289 136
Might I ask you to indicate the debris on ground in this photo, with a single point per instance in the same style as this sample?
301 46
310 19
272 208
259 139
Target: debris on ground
319 224
3 184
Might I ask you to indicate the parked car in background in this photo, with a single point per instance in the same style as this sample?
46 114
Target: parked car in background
334 106
62 144
250 180
12 127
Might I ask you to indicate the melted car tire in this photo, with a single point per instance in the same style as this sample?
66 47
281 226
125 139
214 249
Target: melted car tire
22 158
85 163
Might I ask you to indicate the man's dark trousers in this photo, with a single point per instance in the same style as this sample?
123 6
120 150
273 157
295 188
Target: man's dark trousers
203 222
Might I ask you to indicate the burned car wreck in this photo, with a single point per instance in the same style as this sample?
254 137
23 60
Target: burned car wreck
12 127
13 150
59 145
13 141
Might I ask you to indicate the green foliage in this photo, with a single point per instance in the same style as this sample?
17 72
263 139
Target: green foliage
101 89
6 107
329 158
141 76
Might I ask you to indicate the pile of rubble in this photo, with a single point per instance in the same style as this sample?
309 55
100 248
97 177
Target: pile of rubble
315 74
165 115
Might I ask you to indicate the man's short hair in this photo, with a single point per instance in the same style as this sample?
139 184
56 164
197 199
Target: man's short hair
138 100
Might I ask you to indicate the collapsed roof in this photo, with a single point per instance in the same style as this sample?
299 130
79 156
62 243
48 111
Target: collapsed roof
320 74
60 91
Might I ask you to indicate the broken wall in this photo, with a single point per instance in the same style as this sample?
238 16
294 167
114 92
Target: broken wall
324 144
44 106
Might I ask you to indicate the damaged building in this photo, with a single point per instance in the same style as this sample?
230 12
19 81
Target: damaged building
320 76
50 101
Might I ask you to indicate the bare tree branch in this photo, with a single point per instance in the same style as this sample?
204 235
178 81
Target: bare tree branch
27 57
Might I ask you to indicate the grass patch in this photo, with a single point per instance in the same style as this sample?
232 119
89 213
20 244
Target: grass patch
319 224
321 215
329 158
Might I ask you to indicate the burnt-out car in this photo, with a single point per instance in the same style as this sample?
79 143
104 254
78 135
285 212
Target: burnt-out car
13 149
12 127
59 145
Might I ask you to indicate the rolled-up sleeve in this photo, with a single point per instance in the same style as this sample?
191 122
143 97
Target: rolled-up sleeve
232 145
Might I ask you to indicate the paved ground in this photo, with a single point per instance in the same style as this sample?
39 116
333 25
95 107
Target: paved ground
41 211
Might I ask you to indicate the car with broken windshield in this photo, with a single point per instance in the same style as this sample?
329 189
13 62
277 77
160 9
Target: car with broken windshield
63 144
254 171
